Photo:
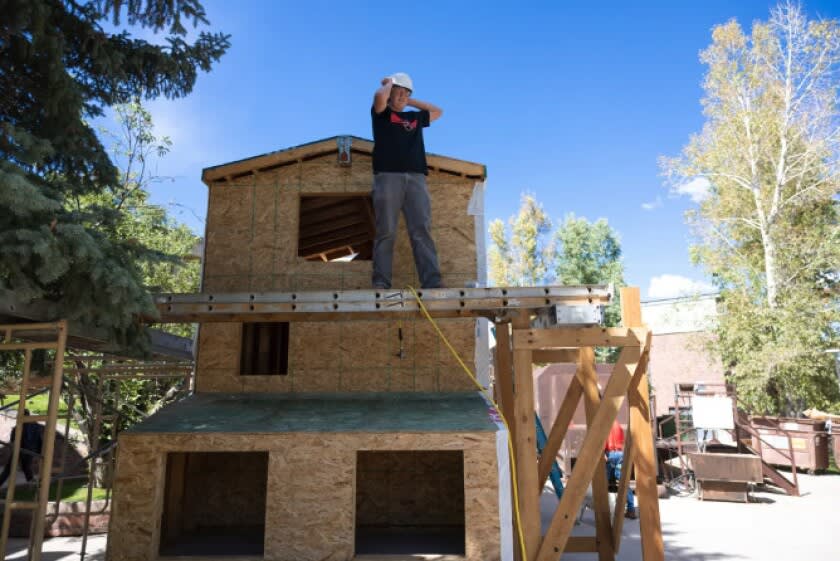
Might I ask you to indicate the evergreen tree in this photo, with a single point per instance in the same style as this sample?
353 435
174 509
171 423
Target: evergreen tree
59 68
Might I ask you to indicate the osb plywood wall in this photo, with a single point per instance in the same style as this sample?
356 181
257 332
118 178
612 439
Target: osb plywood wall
252 229
347 356
251 245
310 494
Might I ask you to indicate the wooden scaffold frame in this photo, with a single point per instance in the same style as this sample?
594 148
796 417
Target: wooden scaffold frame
53 336
517 350
47 336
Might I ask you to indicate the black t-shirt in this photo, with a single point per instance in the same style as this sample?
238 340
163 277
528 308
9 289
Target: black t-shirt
398 140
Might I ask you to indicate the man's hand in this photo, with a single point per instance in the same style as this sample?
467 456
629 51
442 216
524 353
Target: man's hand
380 98
434 111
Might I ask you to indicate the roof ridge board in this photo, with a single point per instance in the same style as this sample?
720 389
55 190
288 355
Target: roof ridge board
281 150
209 171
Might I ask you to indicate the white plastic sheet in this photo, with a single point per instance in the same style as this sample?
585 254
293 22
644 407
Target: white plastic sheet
505 489
712 412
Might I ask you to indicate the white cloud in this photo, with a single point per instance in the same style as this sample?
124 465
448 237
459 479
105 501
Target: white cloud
673 286
697 189
654 204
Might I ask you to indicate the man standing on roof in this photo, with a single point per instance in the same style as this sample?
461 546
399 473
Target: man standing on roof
399 179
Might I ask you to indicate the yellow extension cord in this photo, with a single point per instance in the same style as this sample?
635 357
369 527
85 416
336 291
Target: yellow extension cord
498 410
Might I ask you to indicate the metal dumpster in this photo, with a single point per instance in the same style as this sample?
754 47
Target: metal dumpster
725 477
807 438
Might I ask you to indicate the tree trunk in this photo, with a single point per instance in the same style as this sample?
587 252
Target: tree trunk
769 245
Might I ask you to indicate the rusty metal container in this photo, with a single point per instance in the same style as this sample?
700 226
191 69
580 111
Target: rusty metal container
551 383
808 440
725 477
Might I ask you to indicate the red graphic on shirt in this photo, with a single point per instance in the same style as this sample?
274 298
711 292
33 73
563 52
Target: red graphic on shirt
407 125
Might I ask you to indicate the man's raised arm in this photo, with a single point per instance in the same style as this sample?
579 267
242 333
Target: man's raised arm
380 98
434 111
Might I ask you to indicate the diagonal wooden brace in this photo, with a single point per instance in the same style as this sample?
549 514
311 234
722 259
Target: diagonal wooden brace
525 442
623 486
644 456
590 454
629 459
644 461
558 431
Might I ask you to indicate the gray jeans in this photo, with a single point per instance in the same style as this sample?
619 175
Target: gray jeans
406 192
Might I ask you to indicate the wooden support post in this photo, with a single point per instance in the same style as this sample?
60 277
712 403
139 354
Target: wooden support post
623 488
503 374
600 492
638 396
525 442
15 452
504 390
48 448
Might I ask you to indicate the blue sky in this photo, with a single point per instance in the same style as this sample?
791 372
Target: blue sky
573 102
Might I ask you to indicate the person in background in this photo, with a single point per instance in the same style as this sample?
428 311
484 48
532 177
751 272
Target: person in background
614 454
30 448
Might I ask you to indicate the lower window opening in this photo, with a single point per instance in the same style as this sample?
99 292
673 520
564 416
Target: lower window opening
410 503
214 504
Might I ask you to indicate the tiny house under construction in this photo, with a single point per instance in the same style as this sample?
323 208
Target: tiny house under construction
309 477
319 439
331 421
